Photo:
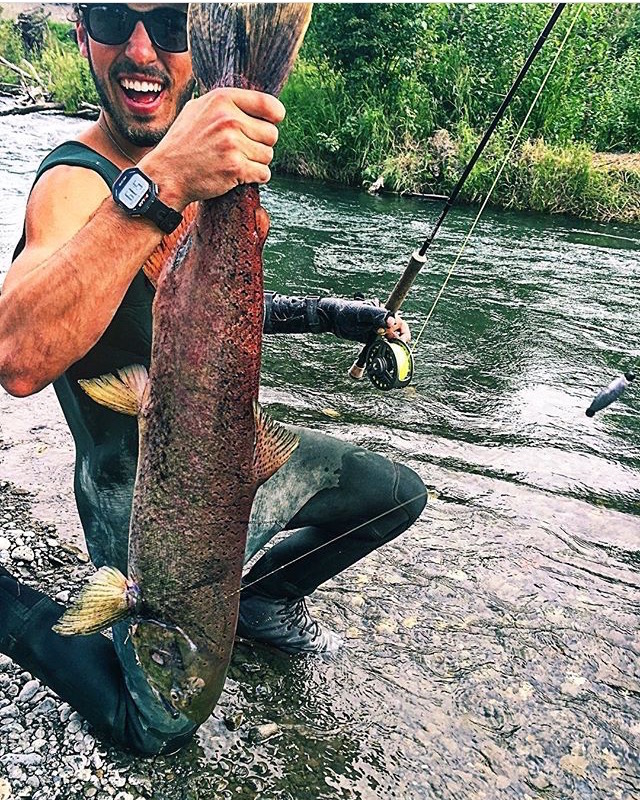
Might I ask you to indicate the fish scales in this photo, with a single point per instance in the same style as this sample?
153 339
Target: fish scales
204 443
195 481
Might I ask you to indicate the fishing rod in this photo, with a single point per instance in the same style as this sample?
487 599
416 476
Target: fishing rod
388 363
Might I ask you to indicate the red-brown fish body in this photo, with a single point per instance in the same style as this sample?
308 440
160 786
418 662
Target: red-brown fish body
205 447
196 479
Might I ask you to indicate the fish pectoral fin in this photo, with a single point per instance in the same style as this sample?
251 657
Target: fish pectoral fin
274 445
107 598
122 392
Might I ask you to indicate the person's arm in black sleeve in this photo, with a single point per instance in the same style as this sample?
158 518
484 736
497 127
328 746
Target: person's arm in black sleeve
357 320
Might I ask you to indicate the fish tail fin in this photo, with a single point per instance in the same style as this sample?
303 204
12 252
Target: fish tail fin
122 392
250 45
274 445
107 598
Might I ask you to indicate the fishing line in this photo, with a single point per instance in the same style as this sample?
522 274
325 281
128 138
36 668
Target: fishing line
496 179
444 285
325 544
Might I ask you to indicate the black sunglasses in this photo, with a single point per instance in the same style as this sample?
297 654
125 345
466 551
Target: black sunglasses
114 23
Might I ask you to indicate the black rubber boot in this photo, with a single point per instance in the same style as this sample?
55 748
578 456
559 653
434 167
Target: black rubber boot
376 500
83 670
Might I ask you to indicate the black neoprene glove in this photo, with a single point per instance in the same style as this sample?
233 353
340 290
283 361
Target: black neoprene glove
357 320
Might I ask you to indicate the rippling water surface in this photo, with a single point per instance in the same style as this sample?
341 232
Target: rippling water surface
494 650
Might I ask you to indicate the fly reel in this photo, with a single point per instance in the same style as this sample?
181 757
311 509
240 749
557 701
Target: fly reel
389 363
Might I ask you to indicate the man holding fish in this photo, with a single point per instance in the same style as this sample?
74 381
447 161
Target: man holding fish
135 189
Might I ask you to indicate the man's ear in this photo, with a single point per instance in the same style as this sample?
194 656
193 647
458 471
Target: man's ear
82 39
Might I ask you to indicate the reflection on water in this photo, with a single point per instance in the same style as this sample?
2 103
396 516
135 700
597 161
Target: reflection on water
493 650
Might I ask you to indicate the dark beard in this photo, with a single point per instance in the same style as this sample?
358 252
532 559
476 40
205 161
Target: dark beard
138 135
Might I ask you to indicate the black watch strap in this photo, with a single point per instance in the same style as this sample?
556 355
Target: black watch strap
167 219
148 205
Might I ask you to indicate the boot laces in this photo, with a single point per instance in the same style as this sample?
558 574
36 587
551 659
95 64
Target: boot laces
296 615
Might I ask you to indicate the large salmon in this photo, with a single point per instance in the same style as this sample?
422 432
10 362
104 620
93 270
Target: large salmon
205 447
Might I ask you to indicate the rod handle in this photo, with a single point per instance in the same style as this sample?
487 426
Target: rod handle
401 289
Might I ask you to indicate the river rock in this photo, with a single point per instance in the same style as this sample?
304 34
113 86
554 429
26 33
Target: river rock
23 553
260 733
28 691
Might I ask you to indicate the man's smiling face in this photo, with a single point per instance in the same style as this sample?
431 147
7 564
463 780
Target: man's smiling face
141 86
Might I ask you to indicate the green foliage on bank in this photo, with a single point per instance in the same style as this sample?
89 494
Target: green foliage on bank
62 72
11 49
67 74
403 91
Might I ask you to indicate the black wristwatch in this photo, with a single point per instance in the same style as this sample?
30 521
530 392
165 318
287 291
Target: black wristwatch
137 194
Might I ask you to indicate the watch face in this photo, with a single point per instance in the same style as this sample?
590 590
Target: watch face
133 191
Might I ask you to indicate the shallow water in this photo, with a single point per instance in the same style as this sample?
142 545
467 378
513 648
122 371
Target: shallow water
493 650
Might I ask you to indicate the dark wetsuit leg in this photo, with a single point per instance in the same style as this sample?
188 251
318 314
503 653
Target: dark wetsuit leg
369 502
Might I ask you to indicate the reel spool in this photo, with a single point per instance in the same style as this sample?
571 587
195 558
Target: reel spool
389 364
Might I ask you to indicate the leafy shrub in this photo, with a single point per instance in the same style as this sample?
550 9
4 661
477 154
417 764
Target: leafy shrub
11 49
68 76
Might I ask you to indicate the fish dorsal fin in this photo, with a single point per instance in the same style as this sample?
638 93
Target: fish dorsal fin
168 247
107 598
274 445
121 392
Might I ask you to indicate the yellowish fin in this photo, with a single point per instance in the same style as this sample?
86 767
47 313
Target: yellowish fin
107 598
122 392
274 445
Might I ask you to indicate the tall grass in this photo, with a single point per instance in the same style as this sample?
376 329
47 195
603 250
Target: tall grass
403 91
67 75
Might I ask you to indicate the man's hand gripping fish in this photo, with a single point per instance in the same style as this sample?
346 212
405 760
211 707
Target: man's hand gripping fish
205 447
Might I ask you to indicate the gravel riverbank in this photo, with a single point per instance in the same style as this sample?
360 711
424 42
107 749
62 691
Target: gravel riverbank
46 749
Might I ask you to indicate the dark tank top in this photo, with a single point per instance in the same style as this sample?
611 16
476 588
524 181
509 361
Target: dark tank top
106 442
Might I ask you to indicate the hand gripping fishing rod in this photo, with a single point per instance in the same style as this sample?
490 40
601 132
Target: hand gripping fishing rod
389 362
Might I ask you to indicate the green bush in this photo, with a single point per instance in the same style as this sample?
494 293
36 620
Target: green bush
11 49
68 76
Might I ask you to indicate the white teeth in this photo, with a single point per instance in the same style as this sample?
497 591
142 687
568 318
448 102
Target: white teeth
140 86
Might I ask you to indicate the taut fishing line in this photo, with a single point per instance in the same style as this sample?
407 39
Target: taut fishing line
436 300
496 179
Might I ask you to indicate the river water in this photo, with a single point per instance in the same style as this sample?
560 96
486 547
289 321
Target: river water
493 651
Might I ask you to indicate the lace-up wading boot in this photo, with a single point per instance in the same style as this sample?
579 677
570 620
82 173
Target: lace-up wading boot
284 623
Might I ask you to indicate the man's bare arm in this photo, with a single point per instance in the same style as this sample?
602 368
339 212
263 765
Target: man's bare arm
82 251
59 297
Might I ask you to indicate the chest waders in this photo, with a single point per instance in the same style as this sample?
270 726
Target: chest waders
344 501
86 671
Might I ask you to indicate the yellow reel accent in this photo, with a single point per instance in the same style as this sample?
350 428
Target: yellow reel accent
389 364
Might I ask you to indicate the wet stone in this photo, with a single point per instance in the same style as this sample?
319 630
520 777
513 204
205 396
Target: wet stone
23 553
5 662
260 733
28 691
45 706
234 721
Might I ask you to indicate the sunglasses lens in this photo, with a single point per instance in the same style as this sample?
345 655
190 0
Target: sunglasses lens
114 24
168 29
110 24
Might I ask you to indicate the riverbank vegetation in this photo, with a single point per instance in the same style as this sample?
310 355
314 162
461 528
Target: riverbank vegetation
397 96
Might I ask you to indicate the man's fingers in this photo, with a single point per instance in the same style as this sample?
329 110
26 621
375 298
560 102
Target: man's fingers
257 104
398 328
257 152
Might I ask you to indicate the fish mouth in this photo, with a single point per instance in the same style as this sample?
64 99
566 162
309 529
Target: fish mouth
142 95
185 679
